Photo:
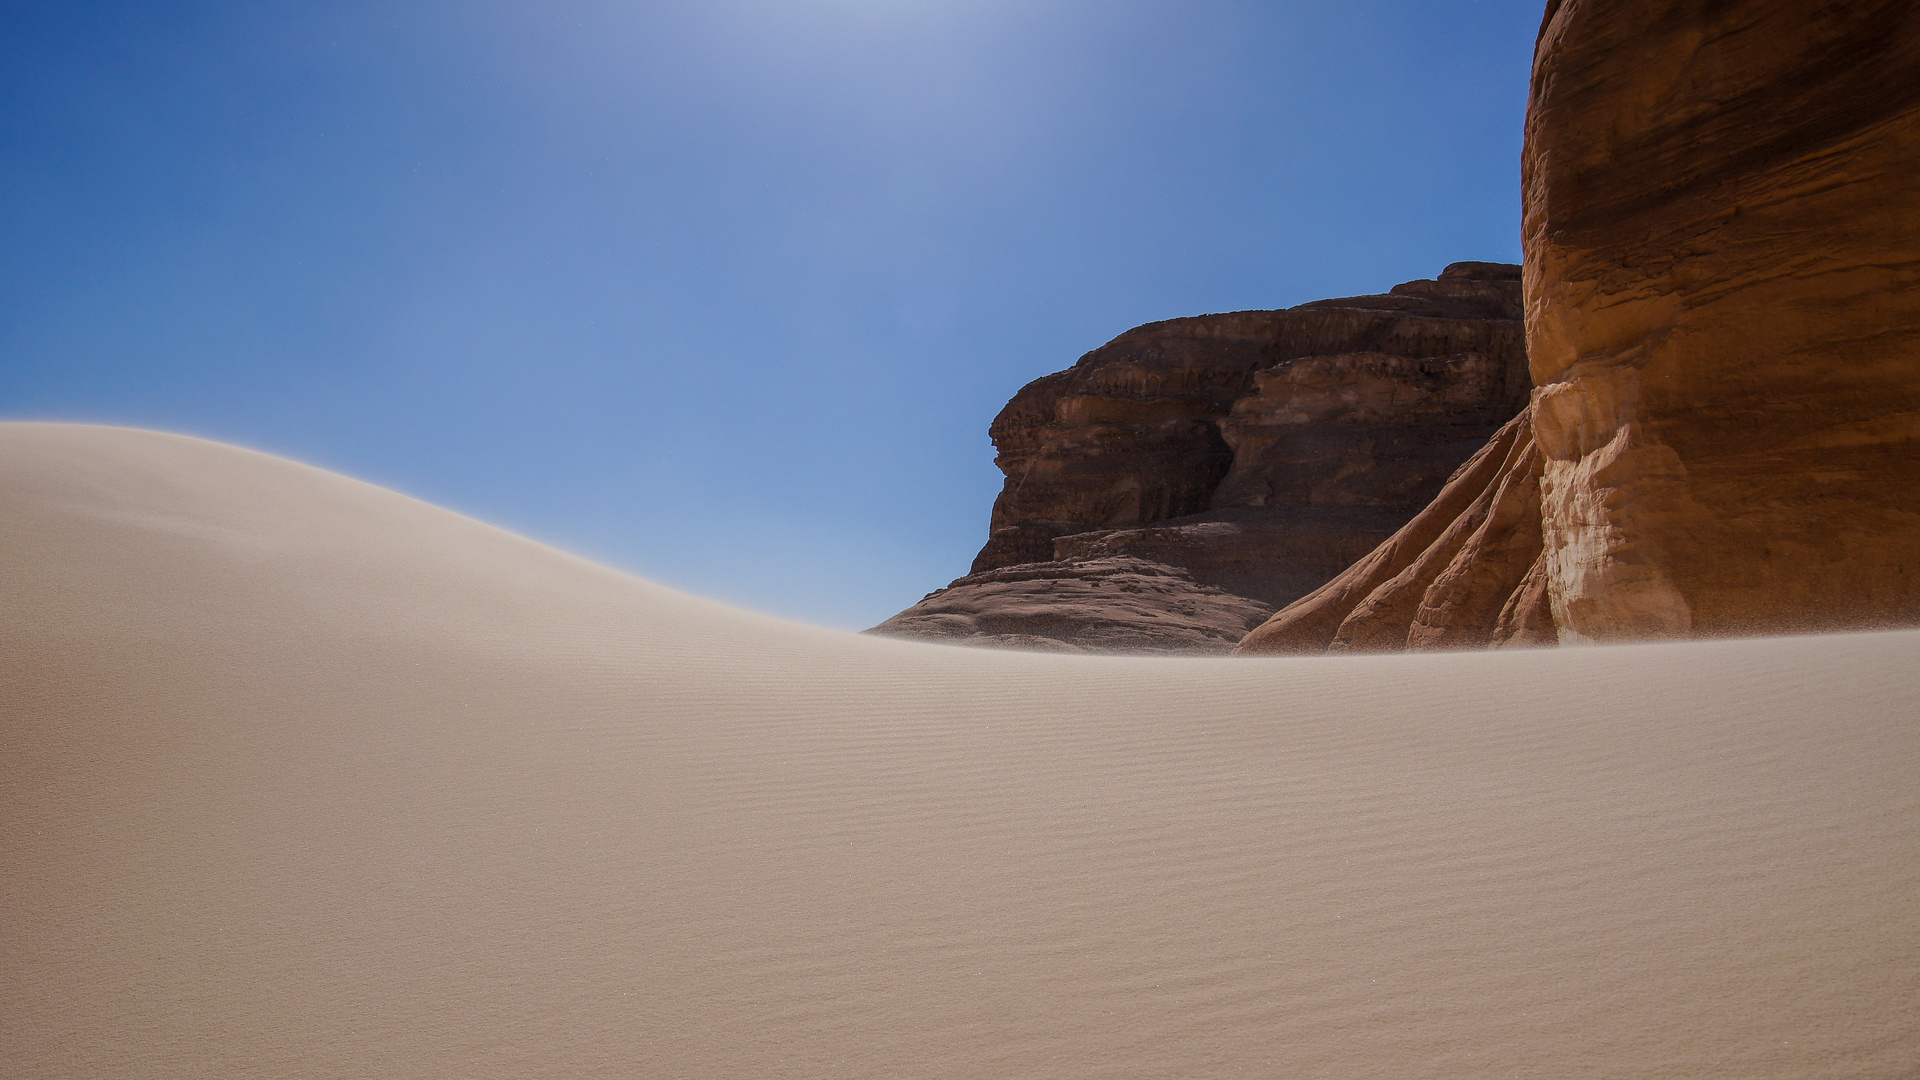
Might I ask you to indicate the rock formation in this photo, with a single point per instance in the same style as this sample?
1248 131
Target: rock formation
1101 604
1133 434
1722 227
1249 456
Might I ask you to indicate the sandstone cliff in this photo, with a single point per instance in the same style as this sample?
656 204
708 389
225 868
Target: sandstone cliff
1249 456
1133 433
1722 227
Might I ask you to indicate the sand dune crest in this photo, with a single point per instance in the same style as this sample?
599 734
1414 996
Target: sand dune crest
306 778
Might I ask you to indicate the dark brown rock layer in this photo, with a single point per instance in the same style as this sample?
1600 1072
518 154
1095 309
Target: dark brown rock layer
1133 433
1104 604
1273 555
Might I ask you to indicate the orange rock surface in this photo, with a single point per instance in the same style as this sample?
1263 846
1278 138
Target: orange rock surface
1722 228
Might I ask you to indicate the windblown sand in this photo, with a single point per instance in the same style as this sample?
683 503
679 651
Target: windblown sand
304 778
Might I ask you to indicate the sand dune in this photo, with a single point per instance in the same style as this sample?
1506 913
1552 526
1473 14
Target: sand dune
305 778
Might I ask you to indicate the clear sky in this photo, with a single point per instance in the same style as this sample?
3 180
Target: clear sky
721 292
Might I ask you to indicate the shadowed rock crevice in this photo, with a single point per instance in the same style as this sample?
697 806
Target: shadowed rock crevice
1465 572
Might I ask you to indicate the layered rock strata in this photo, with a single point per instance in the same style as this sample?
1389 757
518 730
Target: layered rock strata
1253 454
1101 604
1722 226
1133 434
1723 209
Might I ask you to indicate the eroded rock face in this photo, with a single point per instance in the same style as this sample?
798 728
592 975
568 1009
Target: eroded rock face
1256 453
1133 433
1363 429
1722 224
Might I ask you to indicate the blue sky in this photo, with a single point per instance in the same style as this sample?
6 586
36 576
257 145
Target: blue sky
722 292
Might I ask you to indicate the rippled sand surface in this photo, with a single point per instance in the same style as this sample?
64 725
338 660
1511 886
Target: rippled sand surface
300 777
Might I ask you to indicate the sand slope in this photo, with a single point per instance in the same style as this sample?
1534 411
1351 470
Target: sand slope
304 778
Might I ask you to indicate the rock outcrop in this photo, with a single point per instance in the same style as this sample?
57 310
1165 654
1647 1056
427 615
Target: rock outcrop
1100 604
1252 455
1133 434
1722 227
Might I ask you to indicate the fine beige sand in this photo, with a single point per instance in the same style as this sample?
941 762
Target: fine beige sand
304 778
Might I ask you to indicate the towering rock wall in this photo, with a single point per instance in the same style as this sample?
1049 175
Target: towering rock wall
1180 483
1723 222
1722 226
